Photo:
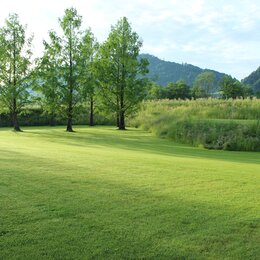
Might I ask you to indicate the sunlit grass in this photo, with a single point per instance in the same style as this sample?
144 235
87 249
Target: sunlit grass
106 194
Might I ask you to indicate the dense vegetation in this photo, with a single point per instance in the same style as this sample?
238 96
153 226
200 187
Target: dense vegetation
204 86
215 124
37 116
254 80
105 194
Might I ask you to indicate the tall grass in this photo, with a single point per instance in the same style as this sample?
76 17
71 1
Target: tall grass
215 124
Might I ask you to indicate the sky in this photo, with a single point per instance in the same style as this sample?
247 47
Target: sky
223 35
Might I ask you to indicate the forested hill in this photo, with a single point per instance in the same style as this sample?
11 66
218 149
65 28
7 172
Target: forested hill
163 72
253 80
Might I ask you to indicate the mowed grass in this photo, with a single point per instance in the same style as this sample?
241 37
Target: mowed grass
100 193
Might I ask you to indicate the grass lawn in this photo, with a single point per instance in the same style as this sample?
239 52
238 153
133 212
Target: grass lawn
108 194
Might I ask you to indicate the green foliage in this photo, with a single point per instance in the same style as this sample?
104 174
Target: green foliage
65 77
59 68
203 85
48 80
231 87
120 70
216 124
15 63
175 90
153 90
87 74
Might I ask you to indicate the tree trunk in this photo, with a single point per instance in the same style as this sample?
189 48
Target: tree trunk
69 113
117 111
121 125
14 105
16 123
117 119
122 120
122 101
70 105
69 125
91 115
69 122
15 117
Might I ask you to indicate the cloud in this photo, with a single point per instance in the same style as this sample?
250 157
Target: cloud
222 35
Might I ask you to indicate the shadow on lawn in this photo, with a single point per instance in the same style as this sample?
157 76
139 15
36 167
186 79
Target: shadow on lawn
136 140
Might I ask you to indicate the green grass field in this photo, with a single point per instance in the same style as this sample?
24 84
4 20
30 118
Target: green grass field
106 194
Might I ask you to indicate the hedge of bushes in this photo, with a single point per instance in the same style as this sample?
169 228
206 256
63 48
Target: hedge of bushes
37 117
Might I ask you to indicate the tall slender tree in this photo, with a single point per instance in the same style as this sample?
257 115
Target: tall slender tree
121 71
87 74
15 63
48 81
70 24
64 50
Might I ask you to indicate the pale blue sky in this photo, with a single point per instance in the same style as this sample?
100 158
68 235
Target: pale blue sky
221 35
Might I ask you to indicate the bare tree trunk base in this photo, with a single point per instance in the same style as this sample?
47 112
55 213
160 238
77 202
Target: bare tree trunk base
16 125
70 130
17 129
69 124
91 116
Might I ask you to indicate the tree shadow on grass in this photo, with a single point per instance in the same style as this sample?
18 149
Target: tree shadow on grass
137 140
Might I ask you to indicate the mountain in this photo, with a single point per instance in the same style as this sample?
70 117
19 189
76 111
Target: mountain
253 80
163 72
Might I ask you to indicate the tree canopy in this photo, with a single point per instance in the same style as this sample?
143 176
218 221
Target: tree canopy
120 70
15 67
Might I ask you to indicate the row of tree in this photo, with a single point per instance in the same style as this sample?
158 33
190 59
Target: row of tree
203 87
73 69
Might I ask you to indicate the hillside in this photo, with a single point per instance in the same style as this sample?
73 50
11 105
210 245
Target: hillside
163 72
253 80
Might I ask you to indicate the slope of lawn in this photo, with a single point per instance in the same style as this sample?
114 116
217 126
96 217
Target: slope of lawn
108 194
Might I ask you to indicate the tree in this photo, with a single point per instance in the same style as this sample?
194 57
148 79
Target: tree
120 70
203 84
231 87
62 58
176 90
87 75
70 24
247 90
15 64
48 81
153 90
